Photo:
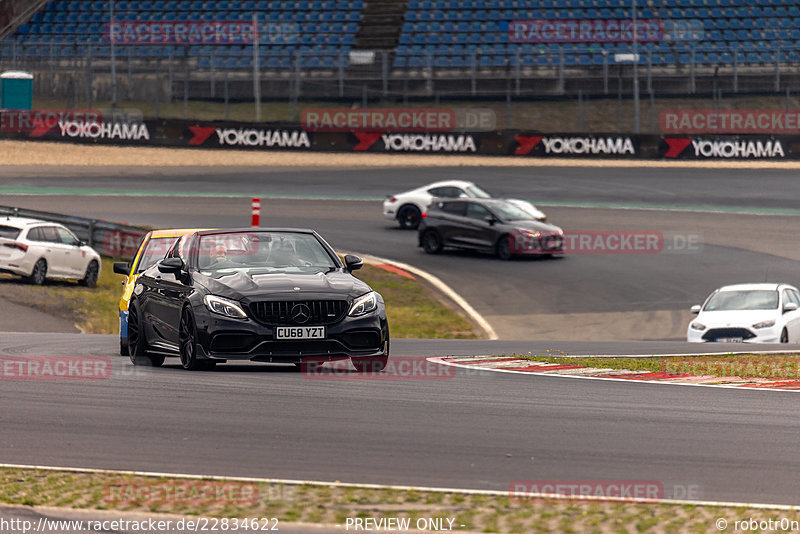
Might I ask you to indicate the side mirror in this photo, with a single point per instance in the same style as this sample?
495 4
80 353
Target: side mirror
489 219
789 306
170 265
696 309
122 267
353 263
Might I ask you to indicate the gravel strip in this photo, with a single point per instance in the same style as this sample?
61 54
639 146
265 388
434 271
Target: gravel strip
49 153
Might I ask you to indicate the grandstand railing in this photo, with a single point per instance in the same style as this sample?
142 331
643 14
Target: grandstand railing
158 73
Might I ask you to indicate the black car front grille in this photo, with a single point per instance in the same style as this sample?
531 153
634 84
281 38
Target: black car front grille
717 333
279 312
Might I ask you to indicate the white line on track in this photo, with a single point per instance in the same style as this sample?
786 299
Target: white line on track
440 360
495 493
441 286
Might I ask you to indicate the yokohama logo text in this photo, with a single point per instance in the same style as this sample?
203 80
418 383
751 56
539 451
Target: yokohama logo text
268 138
737 149
429 143
103 130
588 145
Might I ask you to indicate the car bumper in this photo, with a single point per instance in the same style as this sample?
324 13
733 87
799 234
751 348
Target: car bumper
761 335
523 244
20 264
123 326
390 211
228 339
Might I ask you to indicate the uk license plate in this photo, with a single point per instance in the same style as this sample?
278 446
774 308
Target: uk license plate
300 332
729 340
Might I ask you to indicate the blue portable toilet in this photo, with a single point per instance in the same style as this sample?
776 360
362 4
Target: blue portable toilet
16 90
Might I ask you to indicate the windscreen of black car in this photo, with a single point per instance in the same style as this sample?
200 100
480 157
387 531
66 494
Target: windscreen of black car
9 232
509 212
155 250
266 252
759 299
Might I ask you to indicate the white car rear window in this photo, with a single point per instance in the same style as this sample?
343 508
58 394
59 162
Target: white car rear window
9 232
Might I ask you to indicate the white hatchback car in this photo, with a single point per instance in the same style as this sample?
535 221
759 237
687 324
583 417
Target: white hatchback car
38 250
407 208
752 313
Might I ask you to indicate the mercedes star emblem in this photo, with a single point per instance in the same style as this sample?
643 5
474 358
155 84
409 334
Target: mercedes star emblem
300 313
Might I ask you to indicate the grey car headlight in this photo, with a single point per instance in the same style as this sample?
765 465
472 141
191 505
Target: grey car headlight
698 326
364 304
223 306
765 324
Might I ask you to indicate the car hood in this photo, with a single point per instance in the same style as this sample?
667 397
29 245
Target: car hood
537 226
743 318
279 286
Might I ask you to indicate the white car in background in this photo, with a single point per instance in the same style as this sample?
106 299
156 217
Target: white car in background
407 208
38 250
751 313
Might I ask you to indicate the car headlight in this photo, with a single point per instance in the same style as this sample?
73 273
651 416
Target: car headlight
364 304
529 233
223 306
697 326
765 324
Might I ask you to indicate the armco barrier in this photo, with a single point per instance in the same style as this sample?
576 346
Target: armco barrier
290 136
109 239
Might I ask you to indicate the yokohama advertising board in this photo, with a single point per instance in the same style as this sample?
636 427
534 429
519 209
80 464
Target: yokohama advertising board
700 147
574 145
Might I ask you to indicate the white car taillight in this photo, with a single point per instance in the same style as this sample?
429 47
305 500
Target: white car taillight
21 246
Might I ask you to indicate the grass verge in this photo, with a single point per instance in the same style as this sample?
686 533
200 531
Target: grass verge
741 365
413 310
309 503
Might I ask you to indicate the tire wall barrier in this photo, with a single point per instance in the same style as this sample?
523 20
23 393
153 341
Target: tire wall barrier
178 133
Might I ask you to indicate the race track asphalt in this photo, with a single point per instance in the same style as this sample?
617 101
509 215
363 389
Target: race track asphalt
474 429
464 429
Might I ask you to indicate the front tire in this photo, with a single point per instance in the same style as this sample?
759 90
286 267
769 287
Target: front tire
137 340
503 250
187 336
784 336
432 242
39 274
409 217
90 277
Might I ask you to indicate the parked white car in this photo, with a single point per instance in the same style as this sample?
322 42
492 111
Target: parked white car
751 313
38 250
407 208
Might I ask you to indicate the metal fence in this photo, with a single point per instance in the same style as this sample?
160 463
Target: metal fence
109 239
210 82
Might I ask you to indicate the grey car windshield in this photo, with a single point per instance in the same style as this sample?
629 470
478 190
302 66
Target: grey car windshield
267 251
743 300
